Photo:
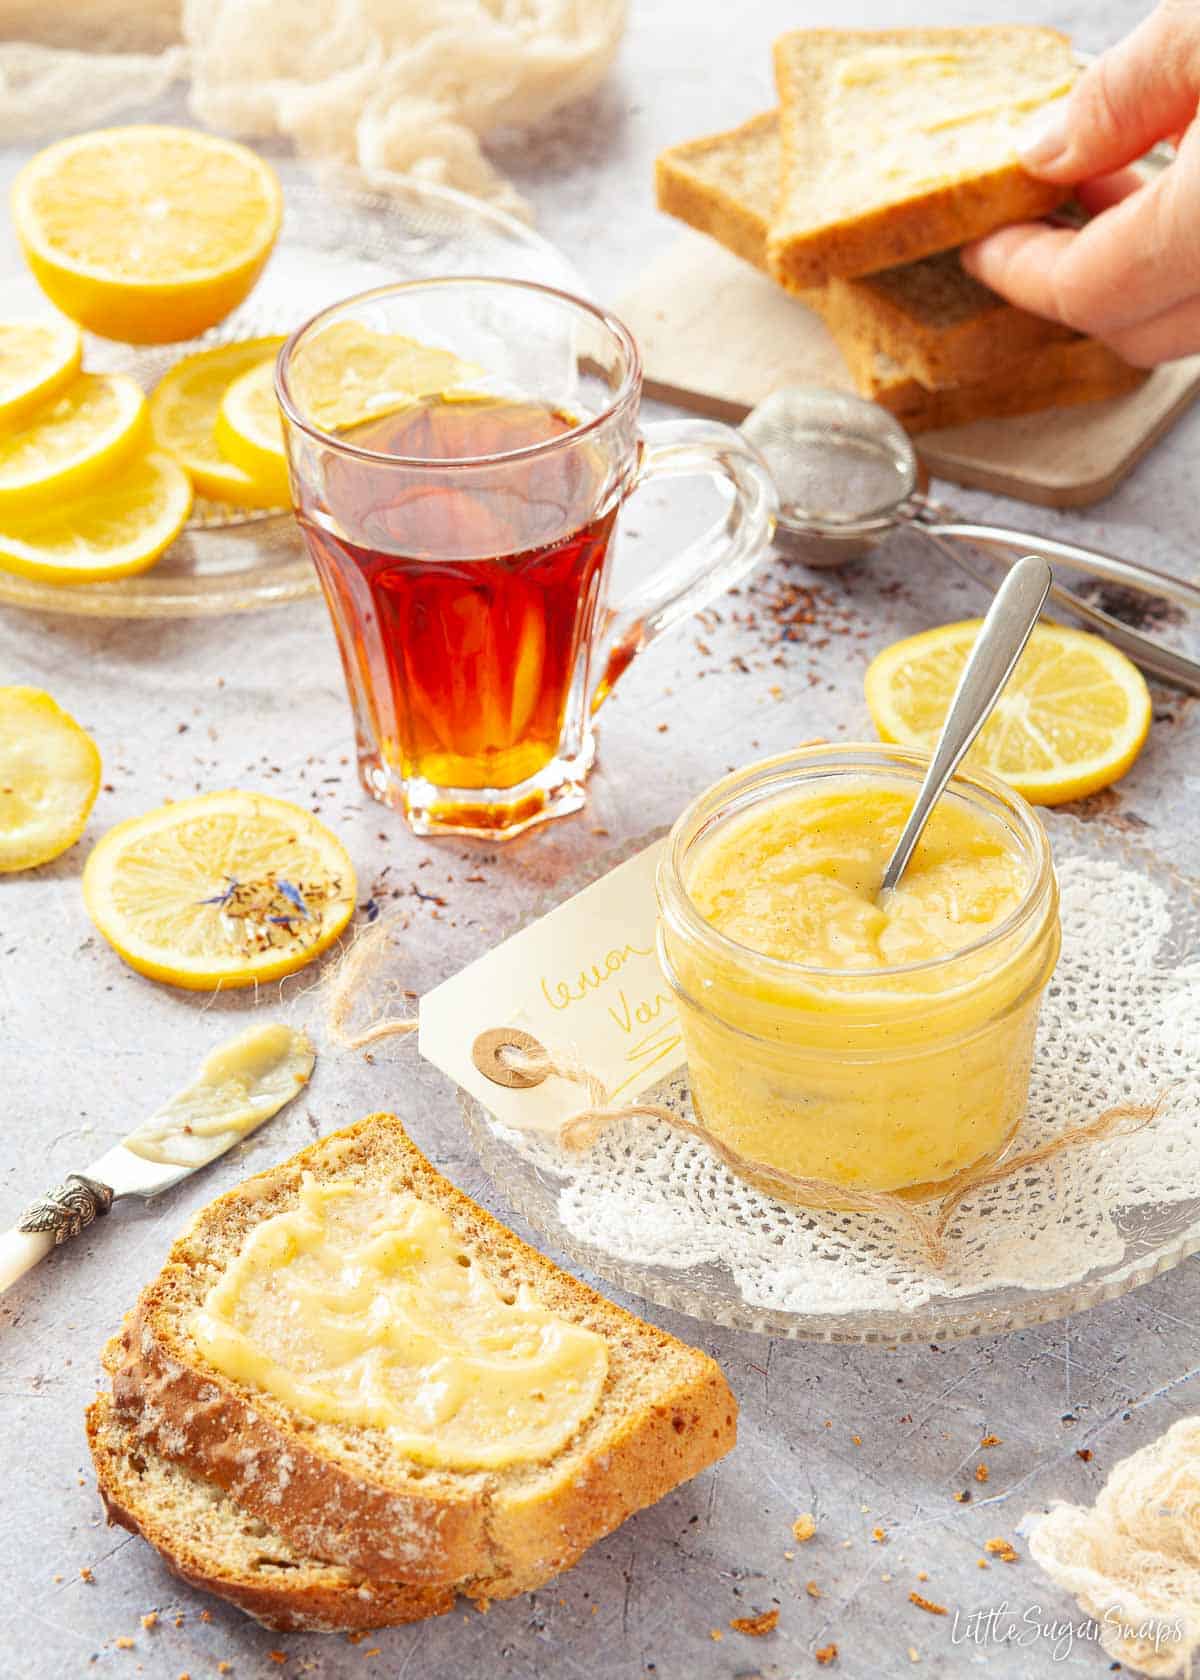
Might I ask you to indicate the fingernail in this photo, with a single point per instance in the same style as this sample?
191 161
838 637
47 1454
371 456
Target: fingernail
1044 137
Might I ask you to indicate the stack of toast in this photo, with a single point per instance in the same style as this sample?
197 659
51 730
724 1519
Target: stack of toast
309 1524
889 150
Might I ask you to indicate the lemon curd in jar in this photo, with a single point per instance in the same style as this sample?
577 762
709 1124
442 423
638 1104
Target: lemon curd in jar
867 1046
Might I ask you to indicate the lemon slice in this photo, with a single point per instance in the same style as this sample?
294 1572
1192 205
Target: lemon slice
147 234
1072 717
109 532
346 373
249 428
228 889
38 359
49 779
183 416
71 442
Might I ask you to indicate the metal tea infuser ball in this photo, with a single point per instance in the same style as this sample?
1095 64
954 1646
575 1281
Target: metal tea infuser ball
848 476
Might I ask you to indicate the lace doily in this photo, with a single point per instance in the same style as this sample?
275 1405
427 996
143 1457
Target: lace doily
1132 1560
1120 1022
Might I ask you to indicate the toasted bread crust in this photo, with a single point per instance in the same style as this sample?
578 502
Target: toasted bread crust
692 194
918 222
327 1599
941 326
496 1535
1060 375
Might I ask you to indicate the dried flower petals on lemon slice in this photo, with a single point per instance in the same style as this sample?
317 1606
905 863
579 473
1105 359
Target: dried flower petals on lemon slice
346 373
249 428
147 234
183 416
224 890
111 531
1071 720
49 779
38 359
71 442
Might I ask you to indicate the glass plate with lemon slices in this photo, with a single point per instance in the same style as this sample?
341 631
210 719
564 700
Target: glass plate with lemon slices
223 551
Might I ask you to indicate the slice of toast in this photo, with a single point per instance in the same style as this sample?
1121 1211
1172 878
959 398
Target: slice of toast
213 1543
1062 375
929 316
347 1493
897 143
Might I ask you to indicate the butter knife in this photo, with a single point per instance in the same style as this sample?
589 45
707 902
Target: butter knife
241 1085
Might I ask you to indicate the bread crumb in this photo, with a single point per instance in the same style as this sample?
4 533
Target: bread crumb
756 1626
715 1635
357 1638
206 1615
150 1620
927 1604
913 1654
124 1643
879 1535
805 1526
886 1576
277 1656
983 1564
224 1668
990 1441
790 1557
812 1589
1003 1549
57 1578
962 1497
826 1654
922 1575
1085 1453
373 1652
857 1439
981 1472
86 1575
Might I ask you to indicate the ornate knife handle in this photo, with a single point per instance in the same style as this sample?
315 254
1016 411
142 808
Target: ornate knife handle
67 1209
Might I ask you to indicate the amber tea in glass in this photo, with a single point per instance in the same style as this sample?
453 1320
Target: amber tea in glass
462 538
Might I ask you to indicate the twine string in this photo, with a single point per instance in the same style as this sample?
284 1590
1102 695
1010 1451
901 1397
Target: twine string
927 1224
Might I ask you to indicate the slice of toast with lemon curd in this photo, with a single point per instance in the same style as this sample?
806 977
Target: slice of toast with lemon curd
368 1362
897 143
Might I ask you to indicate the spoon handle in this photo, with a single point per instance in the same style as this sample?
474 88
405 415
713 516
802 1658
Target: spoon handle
1000 643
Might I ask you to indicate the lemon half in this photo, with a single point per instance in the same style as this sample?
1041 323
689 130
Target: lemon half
1071 720
147 234
227 889
49 779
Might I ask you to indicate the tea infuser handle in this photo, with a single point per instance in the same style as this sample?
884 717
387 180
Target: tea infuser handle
706 568
1153 657
1090 561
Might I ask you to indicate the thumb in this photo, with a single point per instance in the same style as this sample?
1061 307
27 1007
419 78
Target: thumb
1139 91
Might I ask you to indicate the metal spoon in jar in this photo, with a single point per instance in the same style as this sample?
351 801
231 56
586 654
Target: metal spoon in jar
1000 643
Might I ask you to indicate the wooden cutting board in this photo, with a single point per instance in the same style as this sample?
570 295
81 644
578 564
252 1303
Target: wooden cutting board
717 336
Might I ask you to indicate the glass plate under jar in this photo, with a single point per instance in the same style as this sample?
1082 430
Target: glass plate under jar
1155 1235
339 237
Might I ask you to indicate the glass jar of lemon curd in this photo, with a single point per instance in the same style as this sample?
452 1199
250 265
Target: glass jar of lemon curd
874 1048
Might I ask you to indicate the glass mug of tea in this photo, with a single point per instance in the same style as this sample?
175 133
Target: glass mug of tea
459 498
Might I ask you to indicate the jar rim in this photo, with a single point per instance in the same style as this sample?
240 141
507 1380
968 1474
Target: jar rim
767 777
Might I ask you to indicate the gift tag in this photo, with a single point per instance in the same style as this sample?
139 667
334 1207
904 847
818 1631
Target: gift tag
583 984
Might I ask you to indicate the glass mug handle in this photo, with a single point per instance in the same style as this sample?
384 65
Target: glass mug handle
706 568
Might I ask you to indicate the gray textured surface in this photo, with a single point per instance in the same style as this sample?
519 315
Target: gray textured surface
861 1438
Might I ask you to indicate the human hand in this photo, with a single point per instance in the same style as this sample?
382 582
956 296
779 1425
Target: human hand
1131 276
